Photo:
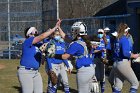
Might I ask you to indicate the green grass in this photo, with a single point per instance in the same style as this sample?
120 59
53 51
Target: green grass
9 82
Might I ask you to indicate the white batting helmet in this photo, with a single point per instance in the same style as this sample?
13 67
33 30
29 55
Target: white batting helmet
78 28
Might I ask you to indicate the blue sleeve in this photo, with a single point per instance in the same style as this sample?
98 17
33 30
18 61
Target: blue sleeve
72 49
108 46
29 41
39 44
46 40
92 54
98 48
66 62
125 47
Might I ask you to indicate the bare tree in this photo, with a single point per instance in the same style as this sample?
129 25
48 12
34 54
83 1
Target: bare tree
82 8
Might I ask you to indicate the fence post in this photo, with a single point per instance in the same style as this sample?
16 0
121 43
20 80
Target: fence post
9 33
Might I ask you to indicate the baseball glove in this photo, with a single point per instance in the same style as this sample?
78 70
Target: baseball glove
43 47
94 85
50 49
53 77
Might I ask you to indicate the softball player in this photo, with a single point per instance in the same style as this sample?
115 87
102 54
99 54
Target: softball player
57 65
100 66
108 45
111 78
130 39
106 31
80 48
28 73
122 65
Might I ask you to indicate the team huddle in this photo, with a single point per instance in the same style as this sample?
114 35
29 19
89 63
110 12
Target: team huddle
91 54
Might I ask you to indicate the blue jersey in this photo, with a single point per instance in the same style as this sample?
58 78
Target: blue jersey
100 47
31 55
122 48
130 43
77 50
60 49
108 46
92 54
46 40
115 48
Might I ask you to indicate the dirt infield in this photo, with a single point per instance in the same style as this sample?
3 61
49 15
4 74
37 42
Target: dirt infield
2 66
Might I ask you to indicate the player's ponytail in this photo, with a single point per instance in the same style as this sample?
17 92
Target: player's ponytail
87 41
25 32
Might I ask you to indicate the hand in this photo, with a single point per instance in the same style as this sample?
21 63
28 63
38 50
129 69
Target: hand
104 50
69 71
136 55
137 60
51 55
58 23
105 61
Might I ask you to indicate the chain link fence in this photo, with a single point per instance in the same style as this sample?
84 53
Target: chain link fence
42 15
95 23
15 16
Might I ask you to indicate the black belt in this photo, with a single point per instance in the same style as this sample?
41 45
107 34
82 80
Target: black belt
27 68
85 66
122 59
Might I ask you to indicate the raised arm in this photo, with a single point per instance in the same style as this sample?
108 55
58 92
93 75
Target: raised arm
46 34
61 32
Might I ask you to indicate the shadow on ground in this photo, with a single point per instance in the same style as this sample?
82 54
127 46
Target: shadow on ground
19 89
71 90
73 72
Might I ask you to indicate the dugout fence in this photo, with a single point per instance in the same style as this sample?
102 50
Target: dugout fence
94 23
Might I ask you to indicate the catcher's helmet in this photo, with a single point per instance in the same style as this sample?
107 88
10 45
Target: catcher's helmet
78 28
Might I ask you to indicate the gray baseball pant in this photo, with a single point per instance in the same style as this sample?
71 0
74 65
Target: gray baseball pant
84 77
124 71
30 81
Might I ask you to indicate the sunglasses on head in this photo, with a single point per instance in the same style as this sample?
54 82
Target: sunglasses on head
100 33
57 34
36 32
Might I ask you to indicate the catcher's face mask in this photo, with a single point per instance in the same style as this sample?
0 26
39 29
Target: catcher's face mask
74 33
78 28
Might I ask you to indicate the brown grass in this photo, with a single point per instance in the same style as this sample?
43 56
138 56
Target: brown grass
9 82
2 66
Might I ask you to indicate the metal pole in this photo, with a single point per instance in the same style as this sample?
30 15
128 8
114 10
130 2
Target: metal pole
9 34
57 6
104 23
